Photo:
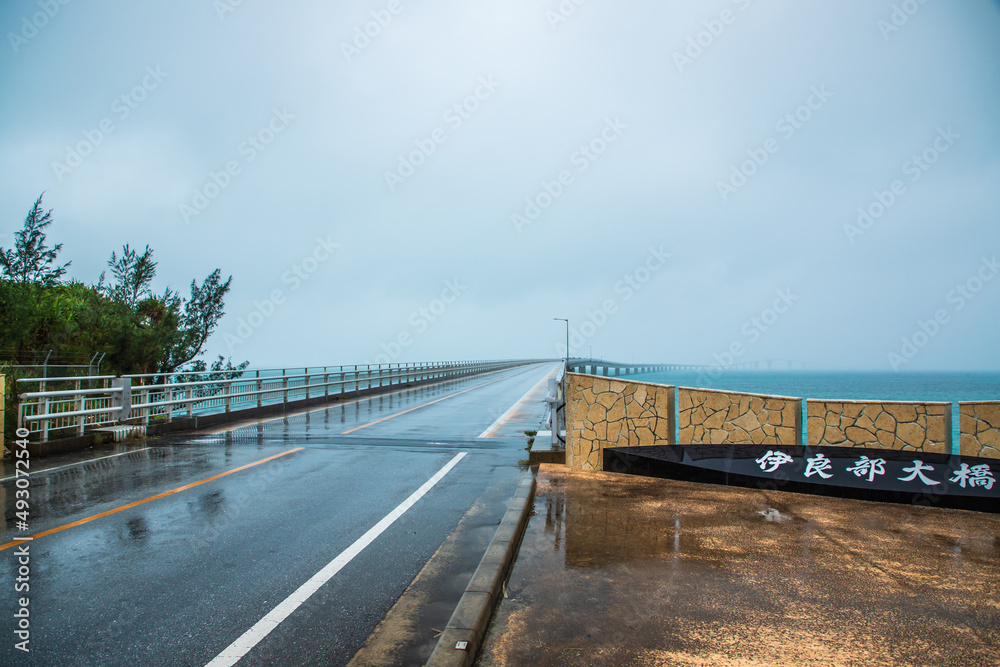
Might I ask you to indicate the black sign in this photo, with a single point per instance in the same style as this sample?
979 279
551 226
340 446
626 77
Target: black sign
870 474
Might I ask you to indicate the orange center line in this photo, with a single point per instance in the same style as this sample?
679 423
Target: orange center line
146 500
378 421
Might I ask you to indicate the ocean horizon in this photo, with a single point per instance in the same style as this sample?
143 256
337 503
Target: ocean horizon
945 386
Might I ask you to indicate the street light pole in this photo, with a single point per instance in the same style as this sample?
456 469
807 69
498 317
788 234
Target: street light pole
567 339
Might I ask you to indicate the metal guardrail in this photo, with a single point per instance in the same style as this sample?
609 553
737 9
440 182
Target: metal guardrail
105 400
556 398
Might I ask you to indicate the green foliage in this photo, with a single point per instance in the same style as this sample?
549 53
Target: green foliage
198 316
221 369
30 260
137 330
133 275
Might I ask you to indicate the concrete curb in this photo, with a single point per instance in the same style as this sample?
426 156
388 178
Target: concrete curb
472 616
556 456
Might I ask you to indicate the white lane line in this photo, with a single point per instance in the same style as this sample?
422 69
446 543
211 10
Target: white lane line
239 648
70 465
304 411
502 418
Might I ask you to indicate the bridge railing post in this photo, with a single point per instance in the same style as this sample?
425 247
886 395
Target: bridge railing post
81 420
45 422
144 401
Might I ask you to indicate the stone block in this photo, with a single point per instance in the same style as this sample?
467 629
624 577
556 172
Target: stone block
860 436
885 422
912 434
717 401
853 410
834 436
901 412
815 429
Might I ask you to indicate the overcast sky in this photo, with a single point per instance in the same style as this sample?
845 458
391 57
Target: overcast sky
684 177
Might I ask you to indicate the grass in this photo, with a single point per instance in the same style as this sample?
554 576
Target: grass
531 439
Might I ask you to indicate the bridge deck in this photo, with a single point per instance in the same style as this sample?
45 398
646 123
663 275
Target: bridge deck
193 552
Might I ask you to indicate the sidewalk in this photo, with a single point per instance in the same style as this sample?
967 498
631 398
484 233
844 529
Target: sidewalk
624 570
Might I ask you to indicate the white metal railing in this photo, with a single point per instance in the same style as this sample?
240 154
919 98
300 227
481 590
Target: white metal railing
69 406
556 399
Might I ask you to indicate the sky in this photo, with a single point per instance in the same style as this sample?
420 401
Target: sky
391 181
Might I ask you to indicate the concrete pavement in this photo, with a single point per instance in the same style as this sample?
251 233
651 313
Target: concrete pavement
624 570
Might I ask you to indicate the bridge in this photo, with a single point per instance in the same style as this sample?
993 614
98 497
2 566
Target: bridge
613 368
290 523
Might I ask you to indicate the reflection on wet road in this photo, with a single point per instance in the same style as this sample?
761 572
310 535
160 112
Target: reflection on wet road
624 570
174 578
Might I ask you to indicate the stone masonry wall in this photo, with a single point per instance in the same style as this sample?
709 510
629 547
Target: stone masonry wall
921 427
979 424
608 412
722 417
611 412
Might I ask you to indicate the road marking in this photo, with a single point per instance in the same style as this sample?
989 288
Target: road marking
150 499
239 648
512 409
378 421
80 463
327 406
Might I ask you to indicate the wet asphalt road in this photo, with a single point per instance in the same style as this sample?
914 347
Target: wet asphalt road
175 580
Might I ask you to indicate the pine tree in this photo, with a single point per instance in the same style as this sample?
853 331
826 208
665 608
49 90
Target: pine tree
31 260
